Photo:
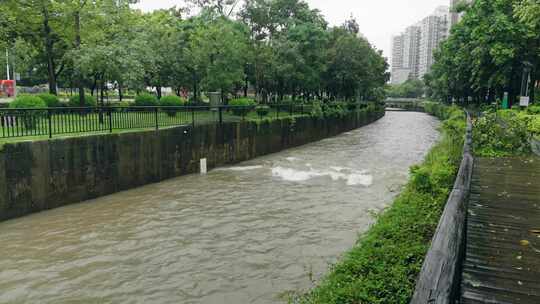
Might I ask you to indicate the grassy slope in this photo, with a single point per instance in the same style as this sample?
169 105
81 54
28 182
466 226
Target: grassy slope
383 266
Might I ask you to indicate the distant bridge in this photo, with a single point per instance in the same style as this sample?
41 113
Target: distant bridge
404 104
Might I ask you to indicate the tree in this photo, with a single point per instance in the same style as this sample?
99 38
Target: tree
218 51
39 22
412 88
485 54
281 48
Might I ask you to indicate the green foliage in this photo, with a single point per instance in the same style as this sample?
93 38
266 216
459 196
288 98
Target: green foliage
27 101
281 48
504 133
486 51
51 100
534 125
335 110
242 106
262 110
30 118
89 101
384 264
534 109
171 101
412 88
146 100
317 110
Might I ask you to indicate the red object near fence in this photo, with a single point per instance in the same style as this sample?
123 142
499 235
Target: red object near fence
7 88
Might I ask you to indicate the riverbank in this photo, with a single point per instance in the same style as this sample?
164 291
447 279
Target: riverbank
384 265
41 175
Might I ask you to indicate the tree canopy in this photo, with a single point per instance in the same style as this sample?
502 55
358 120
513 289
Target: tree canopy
488 51
278 48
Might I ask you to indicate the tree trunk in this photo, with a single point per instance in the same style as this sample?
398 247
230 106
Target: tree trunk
49 50
78 47
246 87
120 92
102 91
94 85
102 101
158 91
532 87
195 90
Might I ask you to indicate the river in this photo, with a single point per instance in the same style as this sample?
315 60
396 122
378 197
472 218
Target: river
251 233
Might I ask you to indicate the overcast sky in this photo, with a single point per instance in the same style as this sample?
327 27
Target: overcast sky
378 19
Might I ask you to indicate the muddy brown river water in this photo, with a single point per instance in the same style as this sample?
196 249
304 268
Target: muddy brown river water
251 233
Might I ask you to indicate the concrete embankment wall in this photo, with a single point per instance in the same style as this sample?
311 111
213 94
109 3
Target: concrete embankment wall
41 175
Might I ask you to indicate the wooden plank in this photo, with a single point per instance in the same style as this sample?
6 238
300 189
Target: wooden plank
502 262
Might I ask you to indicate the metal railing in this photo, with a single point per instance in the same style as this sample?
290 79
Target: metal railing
73 120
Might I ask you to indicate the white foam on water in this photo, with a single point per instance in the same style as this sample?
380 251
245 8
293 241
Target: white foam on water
292 175
360 179
351 179
291 159
241 168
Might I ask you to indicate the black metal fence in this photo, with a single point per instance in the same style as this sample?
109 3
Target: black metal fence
73 120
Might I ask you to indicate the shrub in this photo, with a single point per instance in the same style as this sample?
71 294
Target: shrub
171 101
146 100
242 106
503 133
123 106
286 104
89 101
534 109
29 118
50 100
353 106
316 110
262 110
534 125
25 101
335 110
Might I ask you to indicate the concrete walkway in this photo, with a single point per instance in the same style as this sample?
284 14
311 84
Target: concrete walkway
502 263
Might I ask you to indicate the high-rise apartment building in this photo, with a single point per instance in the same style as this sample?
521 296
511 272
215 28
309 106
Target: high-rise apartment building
412 50
434 30
397 51
399 73
411 54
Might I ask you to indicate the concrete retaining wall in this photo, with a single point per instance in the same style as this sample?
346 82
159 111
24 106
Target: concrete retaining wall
41 175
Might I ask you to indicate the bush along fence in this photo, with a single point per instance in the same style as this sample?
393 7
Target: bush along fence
25 122
384 265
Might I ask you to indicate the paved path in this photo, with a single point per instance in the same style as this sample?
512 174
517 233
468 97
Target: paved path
502 262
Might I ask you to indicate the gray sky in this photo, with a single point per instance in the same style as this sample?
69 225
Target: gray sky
378 19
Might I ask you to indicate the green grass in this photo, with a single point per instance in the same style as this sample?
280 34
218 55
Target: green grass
384 264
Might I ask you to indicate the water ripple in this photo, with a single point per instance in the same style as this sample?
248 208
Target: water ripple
244 234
